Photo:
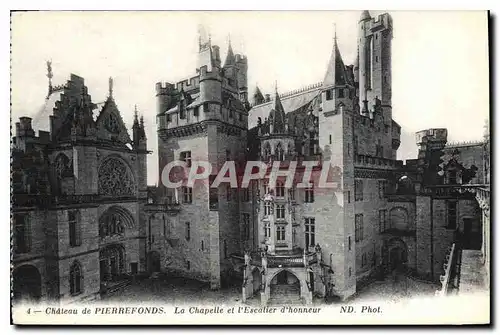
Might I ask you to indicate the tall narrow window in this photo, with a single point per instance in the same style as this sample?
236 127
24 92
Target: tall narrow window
266 187
452 215
329 94
246 194
349 242
196 111
310 232
267 229
330 138
381 188
228 155
358 190
280 233
280 212
186 157
22 234
340 93
75 279
74 229
291 193
187 194
267 208
358 229
202 245
246 226
382 214
280 189
309 194
188 231
228 192
280 153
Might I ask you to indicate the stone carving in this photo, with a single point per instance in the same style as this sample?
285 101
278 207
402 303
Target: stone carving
115 178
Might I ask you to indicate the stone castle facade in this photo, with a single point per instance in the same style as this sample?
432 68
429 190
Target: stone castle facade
381 215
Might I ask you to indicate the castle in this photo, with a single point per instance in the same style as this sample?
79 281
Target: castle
274 239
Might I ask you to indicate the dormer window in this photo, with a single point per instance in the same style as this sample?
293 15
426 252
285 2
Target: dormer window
340 93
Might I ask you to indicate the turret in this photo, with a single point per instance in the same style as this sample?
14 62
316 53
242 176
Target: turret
337 91
135 128
242 66
375 68
230 68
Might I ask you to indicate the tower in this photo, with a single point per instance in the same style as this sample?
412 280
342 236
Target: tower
335 119
374 54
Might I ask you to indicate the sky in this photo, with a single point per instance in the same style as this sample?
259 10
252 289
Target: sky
439 60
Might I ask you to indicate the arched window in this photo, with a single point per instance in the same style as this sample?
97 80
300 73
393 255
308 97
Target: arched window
267 151
280 189
76 279
280 153
63 167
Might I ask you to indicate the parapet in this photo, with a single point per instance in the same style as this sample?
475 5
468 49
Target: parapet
383 21
432 135
164 88
205 74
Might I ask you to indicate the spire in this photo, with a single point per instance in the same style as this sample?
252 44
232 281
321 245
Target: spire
142 132
136 120
258 97
49 75
110 87
365 15
335 72
230 60
277 114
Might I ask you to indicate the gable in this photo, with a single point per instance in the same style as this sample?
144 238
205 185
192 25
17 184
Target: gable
110 125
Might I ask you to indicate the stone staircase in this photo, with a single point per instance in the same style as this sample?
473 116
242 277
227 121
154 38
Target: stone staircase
285 295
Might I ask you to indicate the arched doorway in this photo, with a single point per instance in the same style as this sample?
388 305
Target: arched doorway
27 283
257 281
154 262
398 255
112 262
285 288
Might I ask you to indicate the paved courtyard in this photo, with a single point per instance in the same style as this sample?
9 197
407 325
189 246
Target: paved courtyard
179 291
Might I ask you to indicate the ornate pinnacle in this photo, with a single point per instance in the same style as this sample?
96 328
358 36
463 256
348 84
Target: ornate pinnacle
110 87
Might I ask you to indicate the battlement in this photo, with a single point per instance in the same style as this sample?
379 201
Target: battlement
164 88
433 135
464 144
383 21
205 74
188 84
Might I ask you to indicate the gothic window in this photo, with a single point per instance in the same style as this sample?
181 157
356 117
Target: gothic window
112 124
358 190
280 189
75 279
63 166
267 208
22 234
280 233
75 232
310 232
267 151
280 212
267 229
246 226
115 178
280 153
358 227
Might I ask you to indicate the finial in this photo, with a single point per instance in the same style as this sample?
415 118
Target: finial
135 111
110 87
276 86
142 121
229 38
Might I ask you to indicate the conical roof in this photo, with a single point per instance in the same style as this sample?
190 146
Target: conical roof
335 72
